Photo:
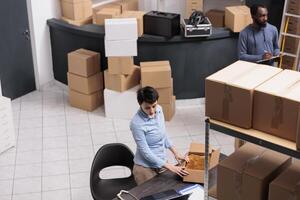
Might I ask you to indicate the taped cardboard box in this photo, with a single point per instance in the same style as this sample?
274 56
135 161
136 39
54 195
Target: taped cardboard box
98 8
169 109
286 185
85 85
196 166
76 10
165 94
216 17
121 83
247 172
138 15
229 92
84 62
78 22
156 76
105 13
120 47
120 65
276 107
88 102
237 17
121 29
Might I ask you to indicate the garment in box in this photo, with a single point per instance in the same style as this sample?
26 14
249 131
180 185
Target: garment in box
156 76
114 103
138 15
120 65
169 109
121 29
87 102
105 13
165 94
237 17
77 10
84 62
85 85
120 47
229 92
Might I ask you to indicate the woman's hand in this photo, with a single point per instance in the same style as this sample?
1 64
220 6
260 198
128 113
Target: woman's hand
181 158
176 169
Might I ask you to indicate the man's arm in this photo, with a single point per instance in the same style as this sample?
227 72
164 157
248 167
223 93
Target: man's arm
242 50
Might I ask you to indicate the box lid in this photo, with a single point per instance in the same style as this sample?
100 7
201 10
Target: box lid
154 63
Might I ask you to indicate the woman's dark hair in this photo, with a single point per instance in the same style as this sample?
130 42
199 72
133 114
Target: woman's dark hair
147 94
254 8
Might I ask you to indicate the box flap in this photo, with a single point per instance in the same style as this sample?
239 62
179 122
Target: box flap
198 148
214 158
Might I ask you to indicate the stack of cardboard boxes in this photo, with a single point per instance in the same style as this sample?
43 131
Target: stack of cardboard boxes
122 75
85 80
192 5
158 75
77 12
237 17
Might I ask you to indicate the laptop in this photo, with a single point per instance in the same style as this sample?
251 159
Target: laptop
167 195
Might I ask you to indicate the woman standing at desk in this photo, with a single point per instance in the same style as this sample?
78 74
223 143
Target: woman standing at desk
148 130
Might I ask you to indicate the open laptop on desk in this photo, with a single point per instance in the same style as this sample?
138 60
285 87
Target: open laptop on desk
167 195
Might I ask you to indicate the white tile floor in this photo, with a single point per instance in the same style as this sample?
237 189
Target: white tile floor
56 144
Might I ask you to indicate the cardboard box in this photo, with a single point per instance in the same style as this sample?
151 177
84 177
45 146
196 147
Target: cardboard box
286 185
169 109
138 15
120 48
229 92
291 45
192 5
114 103
237 17
84 62
294 26
78 22
247 172
157 76
293 7
128 5
276 106
87 102
121 29
121 83
98 8
216 17
197 175
78 10
105 13
120 65
165 94
85 85
155 63
288 62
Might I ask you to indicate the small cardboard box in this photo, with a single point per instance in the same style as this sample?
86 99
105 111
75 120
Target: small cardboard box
294 26
192 5
77 10
291 45
98 8
197 175
138 15
121 29
276 108
128 5
157 76
121 83
229 92
120 65
120 47
247 172
105 13
87 102
286 185
216 17
237 17
288 62
169 109
293 7
165 94
85 85
78 22
84 62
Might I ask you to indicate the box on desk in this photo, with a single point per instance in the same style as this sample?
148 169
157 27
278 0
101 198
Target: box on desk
216 17
156 74
237 17
229 92
128 5
105 13
76 9
87 102
110 6
196 165
85 85
276 106
120 47
134 14
78 22
121 29
120 65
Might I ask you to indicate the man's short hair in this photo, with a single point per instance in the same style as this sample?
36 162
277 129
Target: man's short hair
147 94
254 8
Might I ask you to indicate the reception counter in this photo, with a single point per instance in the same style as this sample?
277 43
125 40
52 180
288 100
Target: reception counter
192 59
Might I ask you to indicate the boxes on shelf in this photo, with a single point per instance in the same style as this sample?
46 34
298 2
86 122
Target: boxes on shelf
78 22
237 17
196 165
247 172
105 13
83 62
87 102
114 103
134 14
121 29
76 9
276 106
293 7
120 47
294 26
192 5
288 62
216 17
286 185
291 45
85 85
119 82
229 92
120 65
169 108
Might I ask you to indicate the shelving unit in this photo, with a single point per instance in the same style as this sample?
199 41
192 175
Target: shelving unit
290 35
250 135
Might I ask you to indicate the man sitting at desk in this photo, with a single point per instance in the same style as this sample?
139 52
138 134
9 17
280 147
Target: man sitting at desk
149 132
259 40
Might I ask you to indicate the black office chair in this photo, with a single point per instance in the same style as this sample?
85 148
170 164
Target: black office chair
111 155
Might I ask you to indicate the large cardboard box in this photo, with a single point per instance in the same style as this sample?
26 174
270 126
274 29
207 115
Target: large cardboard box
121 83
98 8
120 47
121 29
78 22
169 109
85 85
87 102
120 65
216 17
106 13
192 5
165 94
286 185
276 106
197 175
247 172
229 92
157 76
237 17
84 62
138 15
114 103
76 10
